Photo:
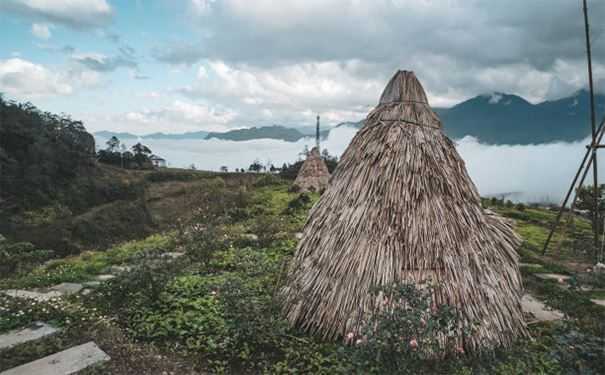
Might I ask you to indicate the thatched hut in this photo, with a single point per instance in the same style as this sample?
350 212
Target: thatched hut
313 174
401 208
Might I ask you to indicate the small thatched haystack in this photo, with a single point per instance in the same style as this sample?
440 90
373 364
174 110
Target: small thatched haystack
313 175
401 207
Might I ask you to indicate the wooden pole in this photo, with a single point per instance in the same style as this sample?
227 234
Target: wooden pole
589 152
595 179
317 135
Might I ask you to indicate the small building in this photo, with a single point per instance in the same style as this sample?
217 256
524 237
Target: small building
157 161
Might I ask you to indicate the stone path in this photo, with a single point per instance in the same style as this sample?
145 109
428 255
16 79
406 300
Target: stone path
37 331
66 362
600 302
30 294
71 360
552 276
539 310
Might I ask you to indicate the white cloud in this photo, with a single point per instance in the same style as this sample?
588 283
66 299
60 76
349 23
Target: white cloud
79 14
24 79
178 116
41 31
290 93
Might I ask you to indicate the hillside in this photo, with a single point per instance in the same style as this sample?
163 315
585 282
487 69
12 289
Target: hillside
128 136
265 132
509 119
202 298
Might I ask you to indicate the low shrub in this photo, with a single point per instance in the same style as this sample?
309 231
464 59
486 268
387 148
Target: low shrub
407 334
19 257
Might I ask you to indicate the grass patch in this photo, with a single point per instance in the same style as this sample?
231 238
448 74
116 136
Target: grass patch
89 263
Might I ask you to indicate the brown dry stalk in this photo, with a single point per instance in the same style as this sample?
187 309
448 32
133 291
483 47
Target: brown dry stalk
313 175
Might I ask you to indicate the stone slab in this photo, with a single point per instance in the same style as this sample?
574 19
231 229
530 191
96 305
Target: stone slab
539 310
37 331
173 255
92 284
600 302
104 277
119 269
530 265
67 289
66 362
29 294
552 276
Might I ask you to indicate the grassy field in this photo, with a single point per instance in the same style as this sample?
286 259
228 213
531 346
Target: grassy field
214 310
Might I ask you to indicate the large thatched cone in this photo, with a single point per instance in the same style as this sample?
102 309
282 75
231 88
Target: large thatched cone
401 207
313 174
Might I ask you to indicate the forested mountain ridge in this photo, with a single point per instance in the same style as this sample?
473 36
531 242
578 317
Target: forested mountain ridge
40 153
499 118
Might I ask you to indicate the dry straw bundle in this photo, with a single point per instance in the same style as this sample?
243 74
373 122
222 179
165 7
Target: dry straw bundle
401 208
313 175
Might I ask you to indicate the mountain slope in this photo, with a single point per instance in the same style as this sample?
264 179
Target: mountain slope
123 135
267 132
509 119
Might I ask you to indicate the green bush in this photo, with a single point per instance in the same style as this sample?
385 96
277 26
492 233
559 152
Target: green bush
407 334
268 179
20 257
301 201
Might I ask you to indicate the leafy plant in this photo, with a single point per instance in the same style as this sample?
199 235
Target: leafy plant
405 333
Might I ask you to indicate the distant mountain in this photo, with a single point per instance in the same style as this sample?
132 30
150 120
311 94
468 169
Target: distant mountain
509 119
352 124
123 136
495 118
268 132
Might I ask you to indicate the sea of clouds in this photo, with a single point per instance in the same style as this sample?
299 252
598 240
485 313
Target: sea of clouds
528 173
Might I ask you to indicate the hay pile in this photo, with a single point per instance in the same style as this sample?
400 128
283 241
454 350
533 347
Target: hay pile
313 175
401 207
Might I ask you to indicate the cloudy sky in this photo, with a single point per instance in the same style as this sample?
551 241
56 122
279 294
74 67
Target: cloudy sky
187 65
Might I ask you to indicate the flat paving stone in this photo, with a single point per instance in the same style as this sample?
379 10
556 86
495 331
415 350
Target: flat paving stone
600 302
92 284
552 276
530 265
119 269
539 310
173 255
29 294
67 289
37 331
104 277
66 362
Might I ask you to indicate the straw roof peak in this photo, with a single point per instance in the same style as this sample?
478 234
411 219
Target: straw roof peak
403 87
313 174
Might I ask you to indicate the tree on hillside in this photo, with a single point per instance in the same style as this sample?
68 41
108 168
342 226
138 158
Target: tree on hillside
224 169
141 154
586 200
40 154
256 166
113 144
330 160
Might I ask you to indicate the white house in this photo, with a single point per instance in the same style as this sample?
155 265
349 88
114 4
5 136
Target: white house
157 161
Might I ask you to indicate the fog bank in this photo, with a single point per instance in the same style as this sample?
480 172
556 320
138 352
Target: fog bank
529 173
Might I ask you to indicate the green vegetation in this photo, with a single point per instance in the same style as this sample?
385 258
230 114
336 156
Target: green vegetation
217 310
86 265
